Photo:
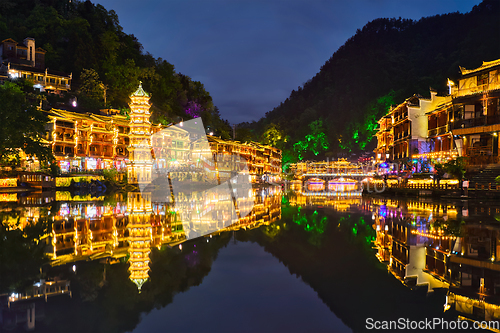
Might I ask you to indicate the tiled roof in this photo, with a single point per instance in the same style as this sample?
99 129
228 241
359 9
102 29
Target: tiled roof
485 65
9 40
140 92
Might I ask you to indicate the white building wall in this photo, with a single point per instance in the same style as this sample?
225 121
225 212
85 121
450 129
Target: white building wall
417 114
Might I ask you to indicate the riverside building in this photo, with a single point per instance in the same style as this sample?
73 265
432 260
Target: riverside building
87 142
465 122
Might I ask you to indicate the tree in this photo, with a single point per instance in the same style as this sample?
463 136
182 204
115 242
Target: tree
273 136
91 91
193 109
358 134
21 252
22 126
213 121
456 168
315 142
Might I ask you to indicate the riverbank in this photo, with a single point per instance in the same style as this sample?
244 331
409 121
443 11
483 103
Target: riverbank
434 190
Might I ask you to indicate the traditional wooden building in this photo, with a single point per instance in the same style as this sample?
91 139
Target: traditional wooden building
263 162
475 114
385 139
28 62
86 141
464 123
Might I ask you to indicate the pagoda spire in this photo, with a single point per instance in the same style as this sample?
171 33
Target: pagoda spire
140 164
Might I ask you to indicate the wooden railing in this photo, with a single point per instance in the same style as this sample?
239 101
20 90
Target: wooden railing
425 186
475 90
438 130
487 187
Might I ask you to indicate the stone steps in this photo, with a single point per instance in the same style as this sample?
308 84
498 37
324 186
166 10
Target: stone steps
486 176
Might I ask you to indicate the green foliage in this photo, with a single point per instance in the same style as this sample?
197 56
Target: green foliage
21 253
110 175
87 40
452 227
315 142
22 125
91 90
456 168
312 224
273 136
244 133
358 134
212 119
54 169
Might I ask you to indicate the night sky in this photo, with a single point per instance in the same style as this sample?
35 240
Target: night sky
251 54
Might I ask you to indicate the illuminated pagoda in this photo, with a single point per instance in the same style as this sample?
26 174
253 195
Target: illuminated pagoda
140 164
139 236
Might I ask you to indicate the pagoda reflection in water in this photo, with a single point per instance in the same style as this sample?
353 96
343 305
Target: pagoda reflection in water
129 224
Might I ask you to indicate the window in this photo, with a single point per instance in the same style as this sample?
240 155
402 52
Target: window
469 111
482 79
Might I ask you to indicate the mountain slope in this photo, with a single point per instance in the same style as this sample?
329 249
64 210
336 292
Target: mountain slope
385 62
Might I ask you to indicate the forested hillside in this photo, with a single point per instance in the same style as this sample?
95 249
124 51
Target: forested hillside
81 37
385 62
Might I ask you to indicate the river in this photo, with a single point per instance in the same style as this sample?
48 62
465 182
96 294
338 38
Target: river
295 264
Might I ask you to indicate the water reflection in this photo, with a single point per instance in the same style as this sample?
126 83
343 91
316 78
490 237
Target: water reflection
438 248
127 225
450 245
453 245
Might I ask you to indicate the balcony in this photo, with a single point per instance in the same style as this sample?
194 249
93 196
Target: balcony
56 86
401 117
402 135
474 122
476 90
438 131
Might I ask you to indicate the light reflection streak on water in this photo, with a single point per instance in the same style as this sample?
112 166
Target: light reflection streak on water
129 224
429 243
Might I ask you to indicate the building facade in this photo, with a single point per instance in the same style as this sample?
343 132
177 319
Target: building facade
464 123
474 118
385 139
86 141
28 62
403 131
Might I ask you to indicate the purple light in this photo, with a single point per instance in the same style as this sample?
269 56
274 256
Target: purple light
193 109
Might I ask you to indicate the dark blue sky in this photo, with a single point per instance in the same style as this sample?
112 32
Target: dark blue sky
251 54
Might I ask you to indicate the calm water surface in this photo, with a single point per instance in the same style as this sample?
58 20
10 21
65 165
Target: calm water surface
248 290
295 264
